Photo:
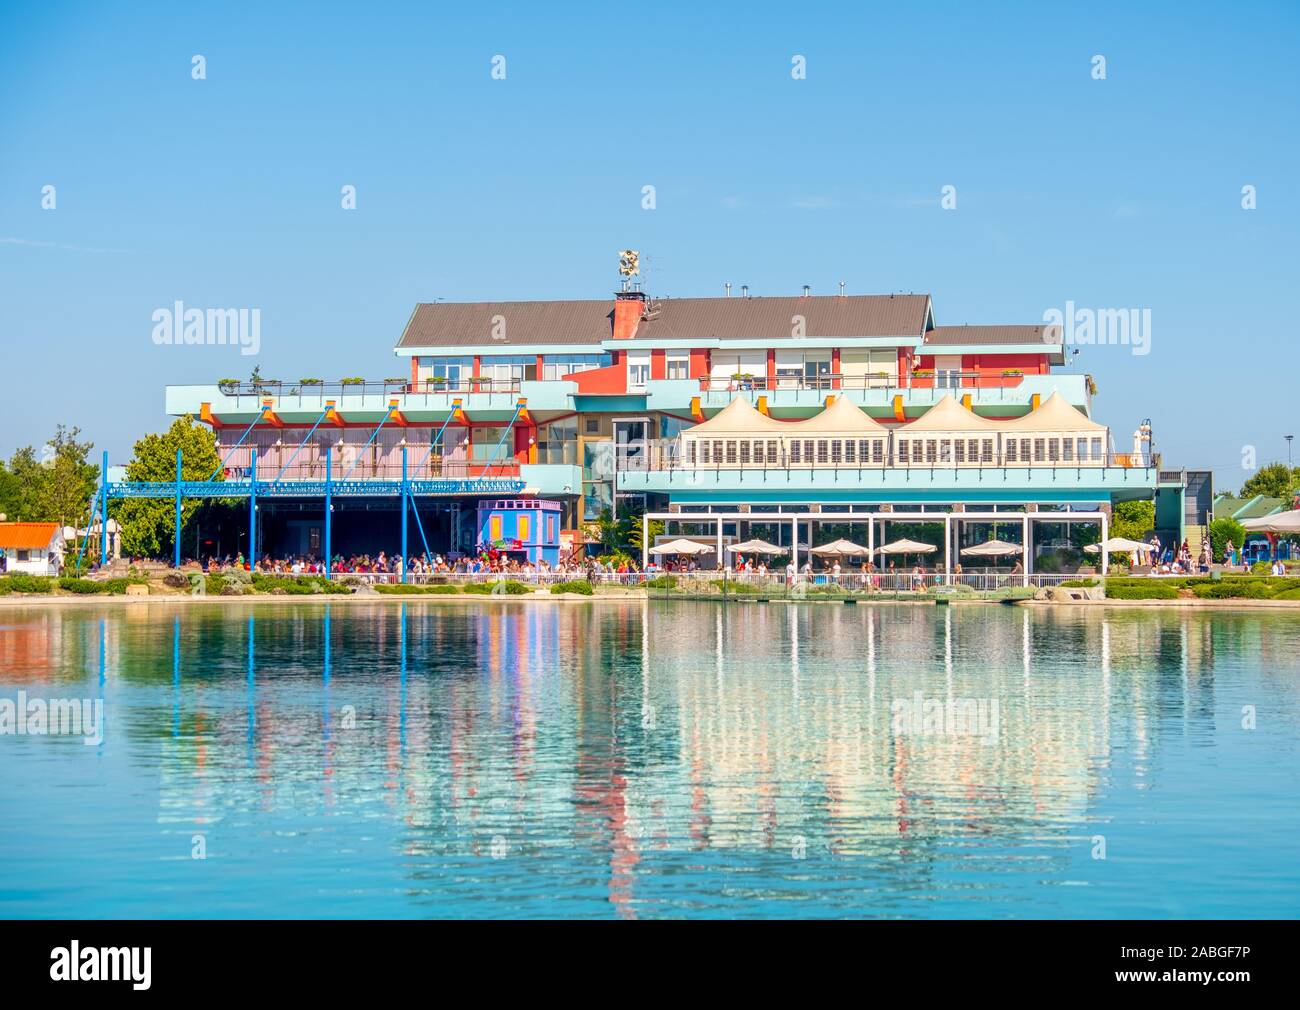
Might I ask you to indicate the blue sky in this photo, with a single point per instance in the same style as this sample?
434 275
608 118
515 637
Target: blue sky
1116 193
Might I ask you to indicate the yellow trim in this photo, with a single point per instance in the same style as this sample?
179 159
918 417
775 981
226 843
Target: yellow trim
1034 401
696 412
762 406
965 400
898 408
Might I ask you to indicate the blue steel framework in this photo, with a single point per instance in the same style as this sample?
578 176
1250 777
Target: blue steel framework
408 490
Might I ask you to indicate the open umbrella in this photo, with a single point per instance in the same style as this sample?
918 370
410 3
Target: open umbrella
1281 522
840 549
681 547
757 547
906 547
992 549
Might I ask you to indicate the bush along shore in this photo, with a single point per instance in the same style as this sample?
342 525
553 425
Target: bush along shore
1195 587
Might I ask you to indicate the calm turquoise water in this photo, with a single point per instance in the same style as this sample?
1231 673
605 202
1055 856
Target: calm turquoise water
652 759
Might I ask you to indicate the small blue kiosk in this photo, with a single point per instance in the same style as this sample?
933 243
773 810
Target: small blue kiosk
527 526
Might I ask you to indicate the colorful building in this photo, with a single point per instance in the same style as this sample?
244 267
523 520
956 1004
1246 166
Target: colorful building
743 407
525 528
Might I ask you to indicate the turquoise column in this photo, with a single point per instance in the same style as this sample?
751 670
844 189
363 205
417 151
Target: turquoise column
329 508
252 515
103 512
405 493
177 561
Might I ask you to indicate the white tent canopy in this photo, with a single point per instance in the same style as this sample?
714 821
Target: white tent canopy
992 549
681 547
1279 522
1054 414
840 548
842 418
906 547
949 415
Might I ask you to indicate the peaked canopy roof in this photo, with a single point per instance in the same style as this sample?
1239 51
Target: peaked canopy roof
842 416
1053 414
738 418
949 415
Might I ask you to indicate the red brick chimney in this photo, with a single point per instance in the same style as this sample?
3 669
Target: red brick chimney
629 307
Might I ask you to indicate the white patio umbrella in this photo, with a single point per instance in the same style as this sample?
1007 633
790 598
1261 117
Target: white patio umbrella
1120 545
992 549
681 547
1281 522
840 549
906 547
757 547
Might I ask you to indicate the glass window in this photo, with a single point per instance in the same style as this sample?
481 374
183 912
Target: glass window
678 364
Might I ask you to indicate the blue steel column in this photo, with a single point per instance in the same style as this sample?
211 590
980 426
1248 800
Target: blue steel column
328 509
177 562
103 512
252 515
405 493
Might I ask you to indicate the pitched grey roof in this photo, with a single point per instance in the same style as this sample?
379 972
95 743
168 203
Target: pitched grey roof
450 324
954 335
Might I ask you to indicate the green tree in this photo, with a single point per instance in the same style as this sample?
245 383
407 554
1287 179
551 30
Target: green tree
1133 520
148 524
20 486
1274 481
1223 530
67 481
635 539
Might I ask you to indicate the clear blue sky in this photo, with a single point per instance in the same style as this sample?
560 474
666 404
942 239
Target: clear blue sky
1120 193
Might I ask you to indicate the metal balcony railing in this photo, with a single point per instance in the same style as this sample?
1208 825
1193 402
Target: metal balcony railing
386 469
946 380
667 457
282 390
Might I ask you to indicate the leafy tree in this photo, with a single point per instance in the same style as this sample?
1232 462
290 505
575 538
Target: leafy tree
67 481
636 540
1223 530
148 524
20 485
1133 520
1274 481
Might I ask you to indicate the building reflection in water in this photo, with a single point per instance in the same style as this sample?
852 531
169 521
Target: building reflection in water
643 731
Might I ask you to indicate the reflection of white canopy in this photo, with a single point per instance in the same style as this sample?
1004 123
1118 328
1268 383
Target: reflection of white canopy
840 548
907 547
1280 522
681 547
737 418
1053 414
992 549
949 415
756 547
1119 545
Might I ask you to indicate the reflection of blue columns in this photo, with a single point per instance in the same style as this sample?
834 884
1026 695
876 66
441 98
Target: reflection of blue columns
401 705
325 694
329 508
252 514
252 688
103 512
103 677
405 493
177 562
176 677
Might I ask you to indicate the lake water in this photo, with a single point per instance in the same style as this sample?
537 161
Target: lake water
648 759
